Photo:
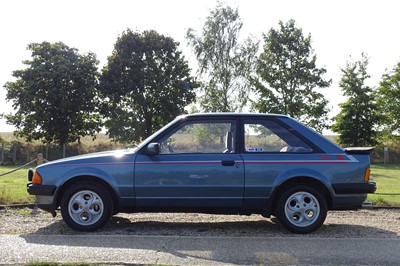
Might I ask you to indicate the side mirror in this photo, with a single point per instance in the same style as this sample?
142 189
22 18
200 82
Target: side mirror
153 149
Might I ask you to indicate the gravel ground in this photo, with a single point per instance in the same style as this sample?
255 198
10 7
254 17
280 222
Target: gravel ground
366 223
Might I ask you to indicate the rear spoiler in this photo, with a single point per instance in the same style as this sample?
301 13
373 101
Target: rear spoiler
359 150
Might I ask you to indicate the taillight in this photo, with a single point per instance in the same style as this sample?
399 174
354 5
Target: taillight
367 175
36 179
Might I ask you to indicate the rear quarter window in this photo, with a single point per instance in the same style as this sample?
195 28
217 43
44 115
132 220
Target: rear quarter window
269 136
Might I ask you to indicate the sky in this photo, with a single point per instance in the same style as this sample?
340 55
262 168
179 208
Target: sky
339 29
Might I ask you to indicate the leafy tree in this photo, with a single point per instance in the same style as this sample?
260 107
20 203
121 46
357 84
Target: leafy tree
224 63
358 117
55 95
388 98
289 79
145 84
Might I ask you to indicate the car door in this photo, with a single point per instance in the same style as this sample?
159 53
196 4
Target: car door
198 167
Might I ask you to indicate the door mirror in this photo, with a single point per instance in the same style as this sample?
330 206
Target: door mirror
153 149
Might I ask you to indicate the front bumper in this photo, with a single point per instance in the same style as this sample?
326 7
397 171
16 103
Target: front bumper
44 196
41 190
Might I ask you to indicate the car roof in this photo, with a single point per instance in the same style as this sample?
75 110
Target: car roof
231 115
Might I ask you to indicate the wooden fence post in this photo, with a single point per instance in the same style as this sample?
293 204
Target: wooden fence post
385 155
47 151
2 152
15 146
39 159
28 154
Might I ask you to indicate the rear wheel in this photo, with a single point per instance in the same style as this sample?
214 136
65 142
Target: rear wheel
86 206
301 209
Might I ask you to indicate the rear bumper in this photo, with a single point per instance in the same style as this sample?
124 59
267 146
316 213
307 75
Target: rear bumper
350 196
354 188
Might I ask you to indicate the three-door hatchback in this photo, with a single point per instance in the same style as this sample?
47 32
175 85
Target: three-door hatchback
211 163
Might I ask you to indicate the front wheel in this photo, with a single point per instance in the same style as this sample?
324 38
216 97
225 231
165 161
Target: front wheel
301 209
86 206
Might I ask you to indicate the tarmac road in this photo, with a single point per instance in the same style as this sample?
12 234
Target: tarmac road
189 250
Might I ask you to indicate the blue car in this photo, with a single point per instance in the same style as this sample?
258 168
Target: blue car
211 163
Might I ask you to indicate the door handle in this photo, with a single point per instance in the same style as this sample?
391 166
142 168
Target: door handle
228 163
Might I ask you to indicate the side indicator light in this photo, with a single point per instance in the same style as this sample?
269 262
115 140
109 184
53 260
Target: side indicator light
37 179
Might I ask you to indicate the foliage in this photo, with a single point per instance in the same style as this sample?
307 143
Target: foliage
388 99
202 134
55 96
145 84
207 133
289 79
224 63
356 120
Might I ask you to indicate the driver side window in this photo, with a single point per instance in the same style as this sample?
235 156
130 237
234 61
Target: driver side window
201 137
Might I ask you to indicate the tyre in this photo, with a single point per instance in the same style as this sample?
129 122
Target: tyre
86 206
301 209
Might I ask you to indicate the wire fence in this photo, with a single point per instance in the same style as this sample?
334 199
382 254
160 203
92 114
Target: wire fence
18 168
17 153
13 184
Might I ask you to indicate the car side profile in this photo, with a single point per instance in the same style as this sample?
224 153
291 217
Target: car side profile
219 163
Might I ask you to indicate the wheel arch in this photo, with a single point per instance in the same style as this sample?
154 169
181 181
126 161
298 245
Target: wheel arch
88 178
301 180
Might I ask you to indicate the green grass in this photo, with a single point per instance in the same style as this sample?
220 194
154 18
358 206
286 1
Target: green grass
13 186
387 179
